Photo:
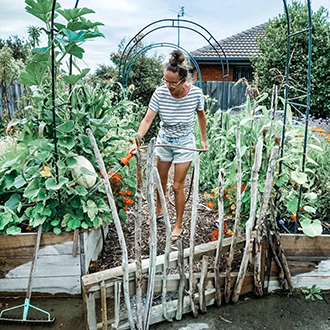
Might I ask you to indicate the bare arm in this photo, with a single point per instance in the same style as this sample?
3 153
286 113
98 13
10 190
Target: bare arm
202 126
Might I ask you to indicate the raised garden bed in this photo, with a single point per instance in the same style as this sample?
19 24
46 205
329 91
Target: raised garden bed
62 260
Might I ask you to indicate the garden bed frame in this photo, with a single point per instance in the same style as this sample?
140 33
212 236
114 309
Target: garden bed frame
62 260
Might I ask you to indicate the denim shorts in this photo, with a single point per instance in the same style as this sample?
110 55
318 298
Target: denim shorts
176 155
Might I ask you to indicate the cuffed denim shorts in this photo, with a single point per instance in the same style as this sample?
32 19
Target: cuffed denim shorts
176 155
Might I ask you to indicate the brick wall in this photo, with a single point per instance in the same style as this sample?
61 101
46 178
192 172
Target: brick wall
214 72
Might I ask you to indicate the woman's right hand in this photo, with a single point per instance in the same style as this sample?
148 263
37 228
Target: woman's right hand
132 148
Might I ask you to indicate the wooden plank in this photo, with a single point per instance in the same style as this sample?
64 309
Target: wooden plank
302 245
109 275
28 240
56 249
51 285
58 266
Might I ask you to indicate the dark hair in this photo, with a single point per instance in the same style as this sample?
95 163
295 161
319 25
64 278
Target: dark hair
178 63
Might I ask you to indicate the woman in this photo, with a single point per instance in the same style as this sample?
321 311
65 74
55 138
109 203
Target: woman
177 103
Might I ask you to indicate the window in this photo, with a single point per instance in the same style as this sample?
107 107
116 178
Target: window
243 71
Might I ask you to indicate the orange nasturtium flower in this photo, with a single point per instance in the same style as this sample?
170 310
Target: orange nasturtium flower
212 194
319 130
294 216
210 205
243 187
128 200
128 192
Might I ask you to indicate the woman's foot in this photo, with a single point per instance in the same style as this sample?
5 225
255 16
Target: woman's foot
158 218
176 233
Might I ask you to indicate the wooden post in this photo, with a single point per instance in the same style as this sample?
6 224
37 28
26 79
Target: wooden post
168 241
260 227
202 284
251 221
138 240
220 239
237 214
104 306
117 304
90 312
153 232
182 275
192 238
116 219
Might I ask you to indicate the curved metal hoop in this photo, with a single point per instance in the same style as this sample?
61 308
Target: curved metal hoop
128 67
170 23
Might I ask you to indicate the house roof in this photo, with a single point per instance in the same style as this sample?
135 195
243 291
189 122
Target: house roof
240 46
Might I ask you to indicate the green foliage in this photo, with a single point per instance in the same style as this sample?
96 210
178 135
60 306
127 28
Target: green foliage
271 60
255 122
30 184
19 47
314 293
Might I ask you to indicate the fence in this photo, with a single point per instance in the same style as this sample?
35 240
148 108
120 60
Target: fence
234 95
9 95
138 282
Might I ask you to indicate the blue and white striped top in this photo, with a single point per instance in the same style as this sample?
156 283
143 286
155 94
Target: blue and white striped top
177 115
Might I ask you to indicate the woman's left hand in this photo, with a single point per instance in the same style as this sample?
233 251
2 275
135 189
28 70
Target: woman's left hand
204 145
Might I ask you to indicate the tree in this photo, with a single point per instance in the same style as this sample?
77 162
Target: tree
20 48
145 72
271 60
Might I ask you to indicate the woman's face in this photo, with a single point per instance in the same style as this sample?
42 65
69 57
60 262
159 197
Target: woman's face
172 80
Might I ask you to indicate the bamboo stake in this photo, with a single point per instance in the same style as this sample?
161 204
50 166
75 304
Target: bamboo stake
138 240
279 248
251 221
220 239
168 242
237 214
119 229
104 306
260 227
182 275
192 238
202 284
153 232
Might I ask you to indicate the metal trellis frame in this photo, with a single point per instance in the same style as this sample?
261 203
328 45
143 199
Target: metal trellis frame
157 45
286 92
185 24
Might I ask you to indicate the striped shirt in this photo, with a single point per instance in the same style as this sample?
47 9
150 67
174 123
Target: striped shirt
177 115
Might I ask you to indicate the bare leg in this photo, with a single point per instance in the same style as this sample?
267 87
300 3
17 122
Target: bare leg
180 172
163 168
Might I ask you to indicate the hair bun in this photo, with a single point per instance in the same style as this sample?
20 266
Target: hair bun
177 58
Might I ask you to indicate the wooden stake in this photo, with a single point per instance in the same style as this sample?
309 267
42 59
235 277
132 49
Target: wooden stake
280 251
220 238
251 221
104 307
192 238
138 240
182 275
202 284
153 232
116 219
115 325
260 227
168 241
237 214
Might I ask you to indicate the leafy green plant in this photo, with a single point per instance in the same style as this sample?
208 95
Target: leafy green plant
256 122
314 293
34 179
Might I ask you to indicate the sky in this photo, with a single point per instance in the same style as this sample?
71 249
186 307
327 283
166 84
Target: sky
125 18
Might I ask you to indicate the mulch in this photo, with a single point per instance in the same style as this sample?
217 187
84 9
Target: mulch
207 221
